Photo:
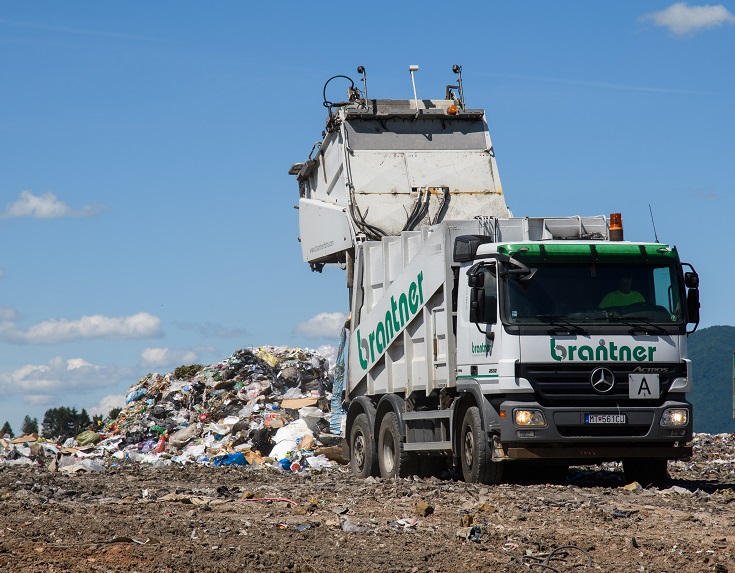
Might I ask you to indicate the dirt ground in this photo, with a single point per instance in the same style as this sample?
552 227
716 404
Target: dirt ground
138 518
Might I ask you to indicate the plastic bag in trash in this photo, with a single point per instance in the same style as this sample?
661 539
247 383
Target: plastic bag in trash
134 395
88 437
224 427
311 415
236 459
184 436
288 437
85 465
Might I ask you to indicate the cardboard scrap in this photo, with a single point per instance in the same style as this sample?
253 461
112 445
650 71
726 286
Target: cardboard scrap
25 439
296 403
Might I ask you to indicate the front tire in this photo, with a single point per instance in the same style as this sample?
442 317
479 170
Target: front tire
362 448
392 460
477 463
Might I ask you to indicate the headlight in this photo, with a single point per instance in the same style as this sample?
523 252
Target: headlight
675 417
529 418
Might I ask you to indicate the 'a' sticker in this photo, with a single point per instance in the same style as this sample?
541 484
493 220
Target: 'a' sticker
643 386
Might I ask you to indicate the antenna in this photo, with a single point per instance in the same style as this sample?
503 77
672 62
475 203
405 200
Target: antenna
361 70
457 69
412 69
655 235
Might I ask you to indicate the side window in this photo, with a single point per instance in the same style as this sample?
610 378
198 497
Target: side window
665 293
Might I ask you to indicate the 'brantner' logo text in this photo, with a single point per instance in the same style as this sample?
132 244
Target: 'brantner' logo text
603 351
481 348
399 314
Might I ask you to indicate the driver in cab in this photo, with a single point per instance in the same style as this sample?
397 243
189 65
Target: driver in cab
624 295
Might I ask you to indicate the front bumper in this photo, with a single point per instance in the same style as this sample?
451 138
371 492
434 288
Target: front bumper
567 436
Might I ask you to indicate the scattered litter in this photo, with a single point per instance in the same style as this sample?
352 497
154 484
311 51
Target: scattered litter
423 509
474 533
147 541
564 558
676 489
348 526
624 513
407 523
633 487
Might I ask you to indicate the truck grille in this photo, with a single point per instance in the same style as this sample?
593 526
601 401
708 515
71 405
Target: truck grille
569 384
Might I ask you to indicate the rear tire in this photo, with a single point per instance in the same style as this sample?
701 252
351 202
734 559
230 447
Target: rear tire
475 452
392 460
646 471
362 448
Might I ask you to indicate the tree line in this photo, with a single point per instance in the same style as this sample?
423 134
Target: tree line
60 423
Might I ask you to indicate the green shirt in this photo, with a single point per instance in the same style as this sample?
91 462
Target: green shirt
618 298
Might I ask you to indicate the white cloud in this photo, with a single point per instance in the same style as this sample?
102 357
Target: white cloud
58 377
323 325
139 325
45 206
681 19
106 404
159 357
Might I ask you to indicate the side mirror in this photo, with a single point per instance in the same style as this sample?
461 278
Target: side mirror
476 280
693 305
691 280
477 303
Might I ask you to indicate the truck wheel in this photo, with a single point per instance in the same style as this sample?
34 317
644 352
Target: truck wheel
392 460
477 463
362 448
645 471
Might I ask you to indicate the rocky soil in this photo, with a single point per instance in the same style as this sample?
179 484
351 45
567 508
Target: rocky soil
138 518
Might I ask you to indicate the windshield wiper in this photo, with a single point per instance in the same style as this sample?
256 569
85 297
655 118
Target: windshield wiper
639 324
561 324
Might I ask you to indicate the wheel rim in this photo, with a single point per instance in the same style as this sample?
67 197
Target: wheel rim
359 451
469 448
388 453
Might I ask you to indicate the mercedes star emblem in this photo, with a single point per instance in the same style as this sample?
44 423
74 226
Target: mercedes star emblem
602 380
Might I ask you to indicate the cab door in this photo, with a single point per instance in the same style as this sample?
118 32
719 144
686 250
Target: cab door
477 342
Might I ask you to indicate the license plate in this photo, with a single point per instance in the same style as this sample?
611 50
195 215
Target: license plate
605 419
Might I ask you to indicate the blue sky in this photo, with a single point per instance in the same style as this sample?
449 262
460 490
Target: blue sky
146 212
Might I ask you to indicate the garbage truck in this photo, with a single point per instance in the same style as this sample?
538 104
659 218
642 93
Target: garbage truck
479 340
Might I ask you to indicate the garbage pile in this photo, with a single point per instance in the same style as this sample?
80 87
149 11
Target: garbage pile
713 459
266 406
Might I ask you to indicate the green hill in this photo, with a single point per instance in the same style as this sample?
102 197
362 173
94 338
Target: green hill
711 350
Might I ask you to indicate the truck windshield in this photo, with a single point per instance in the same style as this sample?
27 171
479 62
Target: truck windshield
594 293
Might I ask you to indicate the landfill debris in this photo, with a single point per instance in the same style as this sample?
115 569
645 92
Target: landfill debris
474 533
261 406
405 523
423 509
350 527
676 489
633 487
624 513
564 558
84 465
147 541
